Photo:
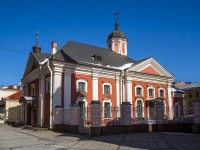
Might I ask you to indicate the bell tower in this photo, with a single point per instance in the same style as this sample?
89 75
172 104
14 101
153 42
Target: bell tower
117 40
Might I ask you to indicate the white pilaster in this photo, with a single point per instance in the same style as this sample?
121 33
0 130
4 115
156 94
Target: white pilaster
67 97
128 91
170 101
118 96
41 101
94 88
57 79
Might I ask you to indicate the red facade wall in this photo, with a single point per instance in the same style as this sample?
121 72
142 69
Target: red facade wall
36 83
46 105
100 88
74 94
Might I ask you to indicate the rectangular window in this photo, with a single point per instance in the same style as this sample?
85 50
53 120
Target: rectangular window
81 86
107 110
47 86
151 92
161 93
106 89
32 90
139 91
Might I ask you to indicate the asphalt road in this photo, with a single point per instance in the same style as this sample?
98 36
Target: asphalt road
17 138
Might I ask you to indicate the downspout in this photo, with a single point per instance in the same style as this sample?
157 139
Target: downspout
51 99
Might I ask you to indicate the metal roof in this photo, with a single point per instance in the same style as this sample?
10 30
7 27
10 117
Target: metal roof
83 53
40 57
189 86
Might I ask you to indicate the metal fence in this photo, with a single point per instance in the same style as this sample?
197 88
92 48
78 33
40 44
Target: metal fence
139 115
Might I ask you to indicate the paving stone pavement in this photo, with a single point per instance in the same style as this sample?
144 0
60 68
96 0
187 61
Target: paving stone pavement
17 138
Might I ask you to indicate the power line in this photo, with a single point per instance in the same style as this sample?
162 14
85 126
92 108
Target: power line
44 14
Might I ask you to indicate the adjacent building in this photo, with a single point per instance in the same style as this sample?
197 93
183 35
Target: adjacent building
9 99
192 92
78 73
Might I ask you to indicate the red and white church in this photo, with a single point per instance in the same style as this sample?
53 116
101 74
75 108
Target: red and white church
78 73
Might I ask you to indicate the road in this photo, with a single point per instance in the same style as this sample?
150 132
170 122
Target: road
17 138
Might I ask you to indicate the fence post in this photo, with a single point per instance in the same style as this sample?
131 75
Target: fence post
74 116
159 113
126 113
95 114
196 111
58 115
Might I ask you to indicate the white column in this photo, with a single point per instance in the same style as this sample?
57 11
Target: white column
57 79
170 101
94 88
128 91
41 101
118 102
117 92
67 97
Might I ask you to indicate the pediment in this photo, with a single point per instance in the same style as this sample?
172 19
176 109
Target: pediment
150 66
31 64
150 70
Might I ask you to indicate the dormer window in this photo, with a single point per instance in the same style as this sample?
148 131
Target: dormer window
97 57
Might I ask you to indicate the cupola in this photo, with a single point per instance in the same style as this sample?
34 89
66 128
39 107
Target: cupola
36 47
117 40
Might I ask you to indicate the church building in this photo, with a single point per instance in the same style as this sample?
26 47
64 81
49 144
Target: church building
78 73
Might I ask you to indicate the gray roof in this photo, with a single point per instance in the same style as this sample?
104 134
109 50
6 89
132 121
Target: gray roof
117 34
76 52
189 86
40 57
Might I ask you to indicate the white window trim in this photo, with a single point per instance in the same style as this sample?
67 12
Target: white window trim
83 99
151 87
107 83
140 86
107 101
163 90
84 81
46 85
136 106
32 87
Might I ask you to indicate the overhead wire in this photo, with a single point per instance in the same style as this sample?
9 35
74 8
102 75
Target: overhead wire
57 20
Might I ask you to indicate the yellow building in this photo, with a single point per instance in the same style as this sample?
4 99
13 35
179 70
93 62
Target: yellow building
9 102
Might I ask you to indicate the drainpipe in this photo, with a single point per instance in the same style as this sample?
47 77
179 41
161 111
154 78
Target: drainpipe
51 99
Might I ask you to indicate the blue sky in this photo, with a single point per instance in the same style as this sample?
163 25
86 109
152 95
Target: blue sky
168 30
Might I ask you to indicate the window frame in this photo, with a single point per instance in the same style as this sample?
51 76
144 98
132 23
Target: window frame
164 92
142 90
47 84
106 100
142 107
77 85
107 84
33 89
148 91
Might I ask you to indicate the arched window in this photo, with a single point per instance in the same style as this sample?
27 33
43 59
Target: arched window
107 105
82 103
139 108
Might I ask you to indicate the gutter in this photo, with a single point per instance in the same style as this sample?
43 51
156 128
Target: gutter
51 96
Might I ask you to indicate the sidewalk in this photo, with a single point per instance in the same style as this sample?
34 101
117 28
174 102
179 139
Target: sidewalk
19 138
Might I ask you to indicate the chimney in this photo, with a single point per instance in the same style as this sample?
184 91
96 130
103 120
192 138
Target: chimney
54 47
